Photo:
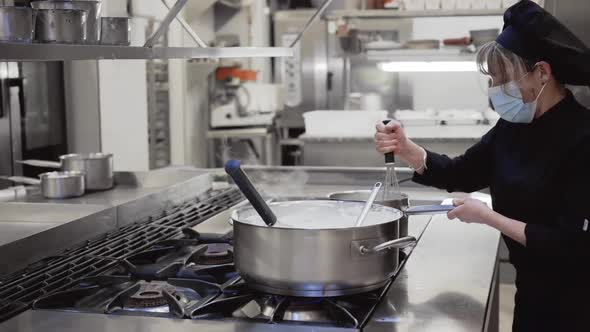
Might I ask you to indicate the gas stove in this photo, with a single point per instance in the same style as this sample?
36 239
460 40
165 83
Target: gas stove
193 277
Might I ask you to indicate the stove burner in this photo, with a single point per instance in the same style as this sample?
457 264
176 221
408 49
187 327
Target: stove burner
216 254
306 311
150 295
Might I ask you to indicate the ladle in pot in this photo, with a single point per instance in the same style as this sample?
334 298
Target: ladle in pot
234 169
369 204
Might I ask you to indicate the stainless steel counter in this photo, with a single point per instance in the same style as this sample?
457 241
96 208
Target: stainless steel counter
35 227
445 286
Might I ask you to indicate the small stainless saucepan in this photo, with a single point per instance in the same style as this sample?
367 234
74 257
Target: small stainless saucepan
97 167
55 185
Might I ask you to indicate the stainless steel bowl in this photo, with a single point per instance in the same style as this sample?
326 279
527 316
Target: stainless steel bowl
115 31
64 26
16 24
93 9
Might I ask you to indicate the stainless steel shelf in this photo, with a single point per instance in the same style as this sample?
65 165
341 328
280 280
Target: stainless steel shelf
419 55
392 13
61 52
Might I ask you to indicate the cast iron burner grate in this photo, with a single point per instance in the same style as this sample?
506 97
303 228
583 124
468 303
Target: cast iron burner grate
125 295
240 302
94 257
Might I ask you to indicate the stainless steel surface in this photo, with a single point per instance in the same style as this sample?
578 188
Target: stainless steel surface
93 8
327 263
13 193
30 232
115 31
481 37
446 284
40 163
426 296
573 15
372 196
97 168
17 24
187 28
62 185
51 52
51 321
311 21
410 13
163 28
66 26
305 75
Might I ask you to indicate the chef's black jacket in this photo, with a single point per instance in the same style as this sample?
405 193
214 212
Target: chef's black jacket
539 174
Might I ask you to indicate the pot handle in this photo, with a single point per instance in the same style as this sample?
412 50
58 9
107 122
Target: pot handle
22 180
399 243
429 210
40 163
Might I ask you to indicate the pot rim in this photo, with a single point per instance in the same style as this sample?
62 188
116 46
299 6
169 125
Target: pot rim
86 156
234 217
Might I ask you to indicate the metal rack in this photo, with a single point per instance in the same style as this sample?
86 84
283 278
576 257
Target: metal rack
19 290
390 13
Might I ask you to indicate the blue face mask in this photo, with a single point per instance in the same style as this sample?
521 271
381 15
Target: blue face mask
507 101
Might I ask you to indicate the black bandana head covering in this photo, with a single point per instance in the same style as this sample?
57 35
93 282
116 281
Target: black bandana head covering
535 35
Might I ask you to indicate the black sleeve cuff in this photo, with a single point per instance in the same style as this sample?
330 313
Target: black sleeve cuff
435 163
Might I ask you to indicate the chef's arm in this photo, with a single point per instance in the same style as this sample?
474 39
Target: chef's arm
467 173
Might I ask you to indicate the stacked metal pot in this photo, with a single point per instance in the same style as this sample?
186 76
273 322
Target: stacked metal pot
60 21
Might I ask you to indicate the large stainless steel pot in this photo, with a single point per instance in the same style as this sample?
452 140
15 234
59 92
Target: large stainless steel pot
16 24
61 26
97 167
329 261
93 9
402 203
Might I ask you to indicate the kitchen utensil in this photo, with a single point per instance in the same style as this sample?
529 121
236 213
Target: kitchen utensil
391 182
115 31
16 24
401 203
97 167
55 185
424 44
234 169
66 26
481 37
93 9
315 250
368 204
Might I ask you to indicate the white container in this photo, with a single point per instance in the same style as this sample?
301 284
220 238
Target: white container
433 4
414 4
493 4
478 4
371 102
337 124
463 4
449 4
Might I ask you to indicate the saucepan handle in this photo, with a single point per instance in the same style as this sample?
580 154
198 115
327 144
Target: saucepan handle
40 163
399 244
429 210
22 180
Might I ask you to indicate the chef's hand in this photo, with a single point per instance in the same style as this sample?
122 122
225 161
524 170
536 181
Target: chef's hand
471 211
392 138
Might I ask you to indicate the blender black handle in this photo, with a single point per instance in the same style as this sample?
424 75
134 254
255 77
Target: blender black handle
234 169
389 157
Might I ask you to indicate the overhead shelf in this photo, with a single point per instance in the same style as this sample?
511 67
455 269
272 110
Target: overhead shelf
63 52
420 55
392 13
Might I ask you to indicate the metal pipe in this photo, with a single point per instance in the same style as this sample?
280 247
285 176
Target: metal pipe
188 28
311 21
173 13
